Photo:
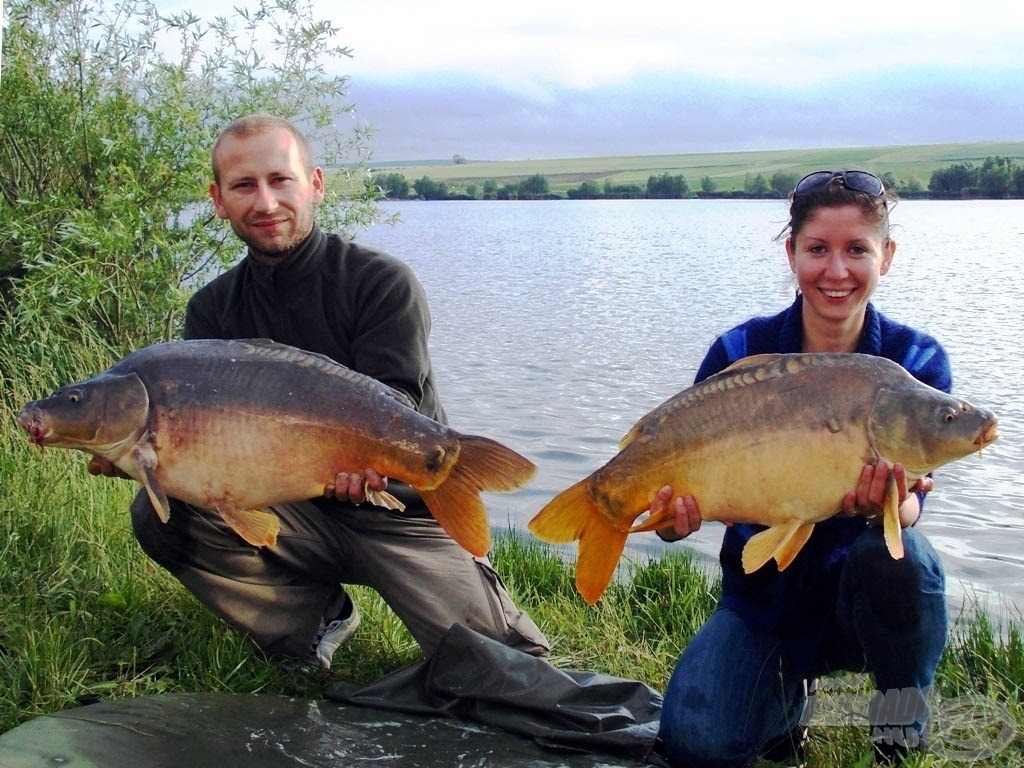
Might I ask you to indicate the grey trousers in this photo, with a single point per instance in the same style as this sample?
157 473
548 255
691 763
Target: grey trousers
279 594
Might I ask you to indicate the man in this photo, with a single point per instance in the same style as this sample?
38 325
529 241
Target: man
366 310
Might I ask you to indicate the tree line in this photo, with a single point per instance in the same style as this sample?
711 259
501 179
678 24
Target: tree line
995 178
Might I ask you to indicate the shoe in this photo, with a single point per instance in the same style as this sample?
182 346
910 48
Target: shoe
332 635
789 749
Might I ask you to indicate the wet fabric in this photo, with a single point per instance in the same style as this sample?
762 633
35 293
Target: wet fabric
474 678
474 702
195 730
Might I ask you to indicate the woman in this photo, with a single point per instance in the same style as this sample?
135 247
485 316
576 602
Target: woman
739 689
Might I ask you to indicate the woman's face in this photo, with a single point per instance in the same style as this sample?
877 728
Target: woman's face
837 258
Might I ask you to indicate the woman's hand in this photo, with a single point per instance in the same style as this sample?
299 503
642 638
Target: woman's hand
868 498
682 509
353 486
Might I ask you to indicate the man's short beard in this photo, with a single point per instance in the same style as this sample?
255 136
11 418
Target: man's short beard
277 255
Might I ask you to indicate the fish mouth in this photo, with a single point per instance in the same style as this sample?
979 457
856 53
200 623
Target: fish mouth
30 421
989 434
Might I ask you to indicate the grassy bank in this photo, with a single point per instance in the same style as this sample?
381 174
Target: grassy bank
86 615
727 169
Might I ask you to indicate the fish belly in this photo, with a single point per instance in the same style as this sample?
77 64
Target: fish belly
767 478
251 460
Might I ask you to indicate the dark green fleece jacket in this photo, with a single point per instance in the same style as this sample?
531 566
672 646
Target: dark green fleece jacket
360 307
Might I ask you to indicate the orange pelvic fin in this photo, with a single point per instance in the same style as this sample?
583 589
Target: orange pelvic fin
257 527
891 519
573 515
793 545
783 542
483 465
655 522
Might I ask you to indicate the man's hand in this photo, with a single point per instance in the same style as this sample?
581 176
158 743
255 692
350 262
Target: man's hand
352 486
100 466
683 510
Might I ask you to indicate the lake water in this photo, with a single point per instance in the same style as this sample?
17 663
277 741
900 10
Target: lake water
558 324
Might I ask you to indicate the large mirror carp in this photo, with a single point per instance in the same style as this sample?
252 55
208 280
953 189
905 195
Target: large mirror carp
775 440
239 426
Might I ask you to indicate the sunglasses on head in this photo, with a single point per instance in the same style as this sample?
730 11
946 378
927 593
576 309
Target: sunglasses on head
857 181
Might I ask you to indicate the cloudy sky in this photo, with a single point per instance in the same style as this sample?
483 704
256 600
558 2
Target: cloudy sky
571 78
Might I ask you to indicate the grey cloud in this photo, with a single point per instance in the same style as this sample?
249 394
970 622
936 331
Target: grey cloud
483 120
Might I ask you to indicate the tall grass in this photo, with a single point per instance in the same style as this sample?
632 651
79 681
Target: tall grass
86 615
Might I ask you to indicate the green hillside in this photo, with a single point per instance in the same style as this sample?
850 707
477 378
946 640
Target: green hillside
727 169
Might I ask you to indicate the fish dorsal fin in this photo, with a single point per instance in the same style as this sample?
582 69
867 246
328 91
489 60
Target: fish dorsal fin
276 351
743 372
762 359
632 435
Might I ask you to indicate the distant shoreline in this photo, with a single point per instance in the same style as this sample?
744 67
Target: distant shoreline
728 170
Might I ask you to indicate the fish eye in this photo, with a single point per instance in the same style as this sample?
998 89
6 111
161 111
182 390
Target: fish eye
947 414
75 395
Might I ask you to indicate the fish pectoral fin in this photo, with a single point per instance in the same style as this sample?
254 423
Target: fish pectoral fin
145 460
783 542
891 519
383 499
256 526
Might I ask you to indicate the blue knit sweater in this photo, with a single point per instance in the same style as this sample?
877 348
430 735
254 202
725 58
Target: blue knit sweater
796 602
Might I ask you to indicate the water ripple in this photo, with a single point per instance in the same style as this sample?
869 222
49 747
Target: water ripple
557 325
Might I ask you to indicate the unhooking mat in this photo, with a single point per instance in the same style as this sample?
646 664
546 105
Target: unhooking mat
474 703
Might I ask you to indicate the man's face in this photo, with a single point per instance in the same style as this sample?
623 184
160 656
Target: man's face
266 193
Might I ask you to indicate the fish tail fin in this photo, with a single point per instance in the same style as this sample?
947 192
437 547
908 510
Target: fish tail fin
562 520
483 465
574 515
256 526
783 542
492 466
891 527
600 550
458 508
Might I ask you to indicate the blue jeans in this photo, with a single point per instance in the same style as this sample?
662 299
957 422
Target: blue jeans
733 690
